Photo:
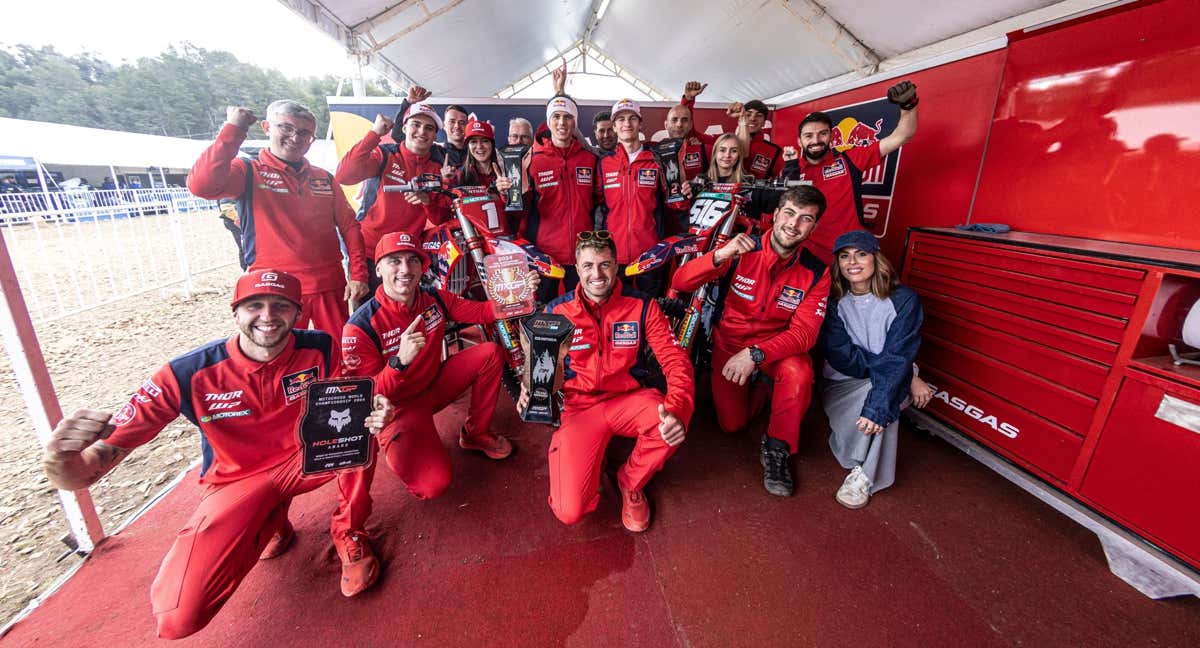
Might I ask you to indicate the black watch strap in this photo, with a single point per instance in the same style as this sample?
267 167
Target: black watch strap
757 355
394 363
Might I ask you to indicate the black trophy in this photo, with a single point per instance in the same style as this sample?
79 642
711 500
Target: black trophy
333 432
544 337
667 156
510 159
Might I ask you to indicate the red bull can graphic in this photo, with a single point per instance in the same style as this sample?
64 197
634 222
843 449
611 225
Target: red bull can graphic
861 125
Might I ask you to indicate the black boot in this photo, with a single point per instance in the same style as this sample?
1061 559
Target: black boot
777 473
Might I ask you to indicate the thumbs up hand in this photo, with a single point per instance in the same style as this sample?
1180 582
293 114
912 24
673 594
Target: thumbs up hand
670 427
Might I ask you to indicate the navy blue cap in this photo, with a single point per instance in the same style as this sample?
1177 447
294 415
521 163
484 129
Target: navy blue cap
860 239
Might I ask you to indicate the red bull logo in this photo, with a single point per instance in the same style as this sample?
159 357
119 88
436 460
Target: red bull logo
850 133
625 334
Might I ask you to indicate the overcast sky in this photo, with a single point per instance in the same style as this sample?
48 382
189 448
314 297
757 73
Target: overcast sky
128 29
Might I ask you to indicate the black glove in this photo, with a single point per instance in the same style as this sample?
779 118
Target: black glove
903 94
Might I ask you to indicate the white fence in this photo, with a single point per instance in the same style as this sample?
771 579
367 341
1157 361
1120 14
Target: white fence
77 250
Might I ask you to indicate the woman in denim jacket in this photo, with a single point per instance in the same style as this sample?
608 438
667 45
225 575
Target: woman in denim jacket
872 332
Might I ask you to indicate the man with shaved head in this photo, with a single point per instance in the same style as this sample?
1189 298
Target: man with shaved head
697 147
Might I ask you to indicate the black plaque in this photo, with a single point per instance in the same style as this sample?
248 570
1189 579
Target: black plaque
667 156
544 337
511 158
333 432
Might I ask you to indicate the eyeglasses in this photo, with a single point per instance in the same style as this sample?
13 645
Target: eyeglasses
287 130
599 235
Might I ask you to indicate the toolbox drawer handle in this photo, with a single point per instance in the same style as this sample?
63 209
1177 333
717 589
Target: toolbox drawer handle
1179 412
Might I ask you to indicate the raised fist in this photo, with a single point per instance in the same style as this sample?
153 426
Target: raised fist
789 153
382 126
903 94
417 94
693 89
243 118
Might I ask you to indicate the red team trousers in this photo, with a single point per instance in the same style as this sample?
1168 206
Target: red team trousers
410 443
577 450
221 542
737 404
328 311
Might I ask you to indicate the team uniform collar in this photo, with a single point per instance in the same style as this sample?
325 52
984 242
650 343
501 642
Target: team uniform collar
249 365
268 158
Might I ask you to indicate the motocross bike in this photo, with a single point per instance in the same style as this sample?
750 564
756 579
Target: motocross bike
475 232
717 213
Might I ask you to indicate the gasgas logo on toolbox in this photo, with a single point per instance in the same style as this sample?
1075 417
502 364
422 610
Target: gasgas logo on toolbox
1007 429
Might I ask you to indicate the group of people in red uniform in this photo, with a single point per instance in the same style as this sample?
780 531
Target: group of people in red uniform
593 210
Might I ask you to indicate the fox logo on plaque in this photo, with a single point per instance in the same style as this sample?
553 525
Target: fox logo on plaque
544 337
511 157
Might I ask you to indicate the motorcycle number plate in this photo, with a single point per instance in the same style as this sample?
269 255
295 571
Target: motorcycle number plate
707 211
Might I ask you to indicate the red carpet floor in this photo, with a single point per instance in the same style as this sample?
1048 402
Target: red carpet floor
952 555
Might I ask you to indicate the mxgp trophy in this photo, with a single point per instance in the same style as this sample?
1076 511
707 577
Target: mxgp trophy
544 337
511 157
667 155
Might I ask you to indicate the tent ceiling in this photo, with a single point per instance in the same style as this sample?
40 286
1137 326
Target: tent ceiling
742 48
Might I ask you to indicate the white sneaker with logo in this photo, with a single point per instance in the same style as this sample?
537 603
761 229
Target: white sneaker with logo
855 491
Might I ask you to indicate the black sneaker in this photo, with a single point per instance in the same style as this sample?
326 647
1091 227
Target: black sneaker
777 474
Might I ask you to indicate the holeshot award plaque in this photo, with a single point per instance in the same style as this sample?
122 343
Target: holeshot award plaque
333 432
510 159
544 337
667 156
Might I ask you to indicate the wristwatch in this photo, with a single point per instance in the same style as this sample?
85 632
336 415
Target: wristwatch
394 363
757 355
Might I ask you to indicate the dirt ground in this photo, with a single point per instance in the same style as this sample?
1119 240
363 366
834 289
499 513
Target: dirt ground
96 359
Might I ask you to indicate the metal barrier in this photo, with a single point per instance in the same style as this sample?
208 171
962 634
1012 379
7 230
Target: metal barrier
77 250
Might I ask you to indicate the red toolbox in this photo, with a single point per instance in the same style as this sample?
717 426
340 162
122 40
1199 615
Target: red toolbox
1052 351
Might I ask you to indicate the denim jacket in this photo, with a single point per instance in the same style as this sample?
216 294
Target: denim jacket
890 370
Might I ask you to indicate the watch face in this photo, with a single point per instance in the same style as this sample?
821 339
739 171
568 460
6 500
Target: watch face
757 355
394 363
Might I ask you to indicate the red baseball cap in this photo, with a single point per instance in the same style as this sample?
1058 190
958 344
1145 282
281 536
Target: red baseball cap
266 282
480 129
396 242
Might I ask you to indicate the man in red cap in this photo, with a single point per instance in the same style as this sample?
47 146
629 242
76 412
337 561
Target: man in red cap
246 395
634 208
291 213
378 165
396 338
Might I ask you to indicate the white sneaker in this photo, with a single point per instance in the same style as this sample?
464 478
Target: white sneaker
855 491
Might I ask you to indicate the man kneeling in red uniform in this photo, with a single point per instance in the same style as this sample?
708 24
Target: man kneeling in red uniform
253 382
396 338
774 305
602 397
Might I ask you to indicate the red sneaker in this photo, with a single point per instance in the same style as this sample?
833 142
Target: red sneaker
635 510
360 569
279 543
492 445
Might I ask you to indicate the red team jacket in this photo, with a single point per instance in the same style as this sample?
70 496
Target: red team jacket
764 158
604 351
563 184
247 411
839 176
378 166
290 219
634 203
373 335
773 303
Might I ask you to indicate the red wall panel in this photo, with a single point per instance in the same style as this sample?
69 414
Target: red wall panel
938 168
1097 129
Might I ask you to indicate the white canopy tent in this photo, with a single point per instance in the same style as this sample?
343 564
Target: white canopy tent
779 50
